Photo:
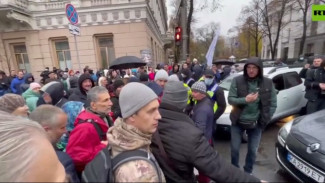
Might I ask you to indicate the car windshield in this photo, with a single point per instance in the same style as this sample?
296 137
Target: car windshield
225 84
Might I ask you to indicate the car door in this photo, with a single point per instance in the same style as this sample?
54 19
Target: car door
294 91
282 97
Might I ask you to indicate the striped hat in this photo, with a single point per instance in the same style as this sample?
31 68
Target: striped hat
199 86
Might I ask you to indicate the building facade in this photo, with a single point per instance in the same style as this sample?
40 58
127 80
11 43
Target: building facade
290 36
34 34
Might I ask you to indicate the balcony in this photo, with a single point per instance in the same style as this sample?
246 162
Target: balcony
100 2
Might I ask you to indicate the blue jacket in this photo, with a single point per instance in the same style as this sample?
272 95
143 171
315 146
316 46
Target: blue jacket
68 165
15 85
203 116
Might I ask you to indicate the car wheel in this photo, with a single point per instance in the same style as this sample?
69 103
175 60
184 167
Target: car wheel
244 137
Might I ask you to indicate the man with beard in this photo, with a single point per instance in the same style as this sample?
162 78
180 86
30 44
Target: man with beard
80 94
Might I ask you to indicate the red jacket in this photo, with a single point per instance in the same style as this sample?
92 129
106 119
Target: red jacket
84 141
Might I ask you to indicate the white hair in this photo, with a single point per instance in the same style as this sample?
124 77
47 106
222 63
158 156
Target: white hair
100 81
18 137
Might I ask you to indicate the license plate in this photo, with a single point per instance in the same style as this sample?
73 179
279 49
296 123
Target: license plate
305 169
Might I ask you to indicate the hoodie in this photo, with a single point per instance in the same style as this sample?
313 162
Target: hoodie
79 94
57 93
25 86
31 99
259 110
15 85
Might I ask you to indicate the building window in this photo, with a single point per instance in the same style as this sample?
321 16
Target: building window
22 57
106 48
63 54
310 48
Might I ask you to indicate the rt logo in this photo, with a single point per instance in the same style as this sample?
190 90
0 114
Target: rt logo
318 13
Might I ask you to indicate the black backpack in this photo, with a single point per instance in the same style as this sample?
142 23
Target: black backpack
102 167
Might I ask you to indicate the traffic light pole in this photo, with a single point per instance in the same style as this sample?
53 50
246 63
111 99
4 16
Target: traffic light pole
184 32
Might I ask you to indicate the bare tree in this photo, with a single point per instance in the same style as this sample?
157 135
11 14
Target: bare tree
252 19
197 6
273 13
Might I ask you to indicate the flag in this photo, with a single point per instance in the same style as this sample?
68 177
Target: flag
210 53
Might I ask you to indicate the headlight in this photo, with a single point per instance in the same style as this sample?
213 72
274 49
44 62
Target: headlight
228 109
284 132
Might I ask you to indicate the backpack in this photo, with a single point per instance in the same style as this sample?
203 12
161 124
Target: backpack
102 167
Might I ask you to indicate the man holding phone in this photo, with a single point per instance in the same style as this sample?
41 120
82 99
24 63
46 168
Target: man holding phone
253 98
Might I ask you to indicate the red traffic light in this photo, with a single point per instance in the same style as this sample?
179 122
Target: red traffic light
178 35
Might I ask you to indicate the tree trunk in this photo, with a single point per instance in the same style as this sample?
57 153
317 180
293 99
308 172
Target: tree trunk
256 40
303 38
188 28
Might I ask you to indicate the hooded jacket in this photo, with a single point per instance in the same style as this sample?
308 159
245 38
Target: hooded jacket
4 84
79 94
197 72
25 86
31 99
187 148
123 137
84 141
263 108
57 93
15 85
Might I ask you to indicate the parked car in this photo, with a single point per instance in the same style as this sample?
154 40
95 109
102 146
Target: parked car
300 149
290 96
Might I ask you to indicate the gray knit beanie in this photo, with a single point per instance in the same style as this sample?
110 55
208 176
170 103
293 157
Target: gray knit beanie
133 97
175 93
199 86
161 74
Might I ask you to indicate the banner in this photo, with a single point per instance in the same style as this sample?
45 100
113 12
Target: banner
210 53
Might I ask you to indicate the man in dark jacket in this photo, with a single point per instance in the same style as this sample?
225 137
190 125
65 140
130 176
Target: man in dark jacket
202 113
54 122
55 92
179 146
117 85
186 75
315 87
4 83
316 64
28 79
253 99
85 83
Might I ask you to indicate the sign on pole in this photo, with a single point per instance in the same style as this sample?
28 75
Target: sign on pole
72 16
71 13
75 30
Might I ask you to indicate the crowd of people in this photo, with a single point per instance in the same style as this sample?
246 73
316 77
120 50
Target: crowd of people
66 120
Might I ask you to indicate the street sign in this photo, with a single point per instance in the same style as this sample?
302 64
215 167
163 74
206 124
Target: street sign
71 13
75 30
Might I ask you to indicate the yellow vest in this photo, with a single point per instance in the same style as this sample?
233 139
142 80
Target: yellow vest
189 93
211 93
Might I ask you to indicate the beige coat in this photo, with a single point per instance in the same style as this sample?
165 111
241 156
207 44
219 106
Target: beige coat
124 137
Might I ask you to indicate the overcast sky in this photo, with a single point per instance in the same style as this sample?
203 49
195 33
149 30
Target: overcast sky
226 15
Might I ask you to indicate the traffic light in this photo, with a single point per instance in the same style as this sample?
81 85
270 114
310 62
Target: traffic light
178 35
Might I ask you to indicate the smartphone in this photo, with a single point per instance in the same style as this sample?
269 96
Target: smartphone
257 90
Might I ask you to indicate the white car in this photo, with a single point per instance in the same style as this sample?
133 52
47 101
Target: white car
290 96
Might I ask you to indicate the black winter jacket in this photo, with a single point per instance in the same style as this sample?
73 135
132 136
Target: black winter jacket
313 78
186 147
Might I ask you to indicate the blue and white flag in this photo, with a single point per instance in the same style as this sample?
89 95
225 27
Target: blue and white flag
210 53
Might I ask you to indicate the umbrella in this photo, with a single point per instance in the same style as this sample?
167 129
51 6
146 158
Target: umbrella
127 62
224 62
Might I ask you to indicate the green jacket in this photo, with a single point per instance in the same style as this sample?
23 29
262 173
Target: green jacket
31 99
263 108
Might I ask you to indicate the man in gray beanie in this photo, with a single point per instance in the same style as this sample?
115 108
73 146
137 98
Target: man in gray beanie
140 115
180 146
161 78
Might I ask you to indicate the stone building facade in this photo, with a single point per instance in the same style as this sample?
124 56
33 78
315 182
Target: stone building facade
34 33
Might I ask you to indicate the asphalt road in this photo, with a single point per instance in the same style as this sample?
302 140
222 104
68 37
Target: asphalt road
266 166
